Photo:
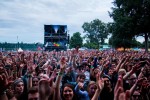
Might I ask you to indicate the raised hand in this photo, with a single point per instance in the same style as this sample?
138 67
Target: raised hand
3 82
139 81
119 93
135 68
100 81
10 90
62 63
44 89
52 77
100 86
80 85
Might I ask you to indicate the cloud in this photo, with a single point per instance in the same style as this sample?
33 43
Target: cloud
26 18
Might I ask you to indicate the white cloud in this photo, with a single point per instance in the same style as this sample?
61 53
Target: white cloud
26 18
140 39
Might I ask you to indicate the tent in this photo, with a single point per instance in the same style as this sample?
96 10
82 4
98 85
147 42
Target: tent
20 50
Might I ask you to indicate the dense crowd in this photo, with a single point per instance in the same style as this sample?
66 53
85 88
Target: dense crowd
75 75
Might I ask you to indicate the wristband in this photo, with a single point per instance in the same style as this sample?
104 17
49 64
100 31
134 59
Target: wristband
60 73
92 67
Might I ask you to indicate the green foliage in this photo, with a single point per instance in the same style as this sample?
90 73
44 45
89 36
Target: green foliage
91 45
76 40
96 32
117 42
131 18
15 46
143 44
136 43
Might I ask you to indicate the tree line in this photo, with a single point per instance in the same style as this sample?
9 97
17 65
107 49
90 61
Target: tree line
16 46
130 20
77 40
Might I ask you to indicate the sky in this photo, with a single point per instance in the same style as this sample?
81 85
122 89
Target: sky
24 20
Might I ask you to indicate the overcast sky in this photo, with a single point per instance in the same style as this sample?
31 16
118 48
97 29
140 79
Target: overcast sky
25 19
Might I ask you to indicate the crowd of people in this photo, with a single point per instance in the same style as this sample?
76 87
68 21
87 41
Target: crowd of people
75 75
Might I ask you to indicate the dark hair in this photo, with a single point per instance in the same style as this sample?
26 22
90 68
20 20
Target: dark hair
16 82
106 76
35 78
80 75
72 87
33 90
68 85
91 83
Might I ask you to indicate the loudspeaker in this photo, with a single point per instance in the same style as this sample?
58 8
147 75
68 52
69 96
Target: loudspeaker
68 38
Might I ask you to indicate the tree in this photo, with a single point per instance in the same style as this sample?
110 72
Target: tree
131 18
125 43
96 32
143 44
118 42
91 45
76 40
